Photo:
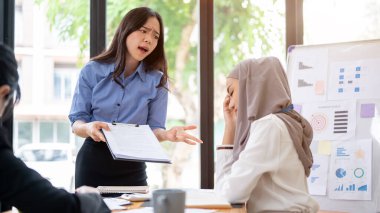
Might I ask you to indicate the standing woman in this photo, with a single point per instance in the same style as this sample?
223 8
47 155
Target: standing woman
265 157
128 84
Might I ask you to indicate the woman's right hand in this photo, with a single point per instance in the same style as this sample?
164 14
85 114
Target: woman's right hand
93 130
86 189
229 112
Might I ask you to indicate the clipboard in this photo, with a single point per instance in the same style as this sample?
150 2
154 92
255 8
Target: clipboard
133 142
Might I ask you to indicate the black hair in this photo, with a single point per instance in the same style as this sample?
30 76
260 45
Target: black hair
9 76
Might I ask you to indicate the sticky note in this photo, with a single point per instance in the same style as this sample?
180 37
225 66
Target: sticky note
324 147
367 110
319 87
297 108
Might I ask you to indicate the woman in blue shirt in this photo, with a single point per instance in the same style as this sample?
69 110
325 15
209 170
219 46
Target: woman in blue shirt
128 84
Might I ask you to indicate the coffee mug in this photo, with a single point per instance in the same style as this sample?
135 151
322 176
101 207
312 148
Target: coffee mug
169 201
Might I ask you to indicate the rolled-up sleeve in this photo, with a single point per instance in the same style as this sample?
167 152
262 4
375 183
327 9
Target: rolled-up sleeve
158 109
224 156
81 104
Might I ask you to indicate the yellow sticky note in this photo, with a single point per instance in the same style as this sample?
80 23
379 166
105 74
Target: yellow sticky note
324 147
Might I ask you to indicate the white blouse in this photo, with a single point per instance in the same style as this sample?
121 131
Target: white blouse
268 176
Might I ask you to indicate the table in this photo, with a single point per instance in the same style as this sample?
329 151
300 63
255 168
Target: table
136 205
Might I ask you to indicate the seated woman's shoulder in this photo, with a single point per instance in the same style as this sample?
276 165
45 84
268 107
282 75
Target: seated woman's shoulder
268 118
270 121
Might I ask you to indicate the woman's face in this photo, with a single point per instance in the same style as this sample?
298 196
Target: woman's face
232 86
143 41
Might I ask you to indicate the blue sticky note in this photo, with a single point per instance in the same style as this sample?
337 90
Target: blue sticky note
367 110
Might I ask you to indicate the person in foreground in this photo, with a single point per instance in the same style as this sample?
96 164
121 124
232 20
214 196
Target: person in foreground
127 83
264 158
21 186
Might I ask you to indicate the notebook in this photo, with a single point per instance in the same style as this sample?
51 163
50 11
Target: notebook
122 189
205 198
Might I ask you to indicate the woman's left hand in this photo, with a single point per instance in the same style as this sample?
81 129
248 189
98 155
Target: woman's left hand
178 134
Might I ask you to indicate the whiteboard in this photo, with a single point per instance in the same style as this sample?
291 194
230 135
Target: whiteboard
336 87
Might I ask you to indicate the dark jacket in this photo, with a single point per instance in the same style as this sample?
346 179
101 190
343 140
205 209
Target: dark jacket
28 191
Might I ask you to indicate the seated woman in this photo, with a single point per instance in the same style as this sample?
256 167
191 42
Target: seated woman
20 186
265 157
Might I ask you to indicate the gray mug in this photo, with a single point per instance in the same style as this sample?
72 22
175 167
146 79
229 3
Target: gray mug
169 201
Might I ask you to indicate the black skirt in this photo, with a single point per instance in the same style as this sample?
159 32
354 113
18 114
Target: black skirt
95 167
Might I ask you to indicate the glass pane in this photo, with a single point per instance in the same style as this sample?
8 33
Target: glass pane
63 132
57 86
332 21
65 77
46 132
24 133
18 24
48 33
68 87
243 29
181 49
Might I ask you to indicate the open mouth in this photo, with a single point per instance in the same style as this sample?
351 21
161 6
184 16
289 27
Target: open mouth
144 49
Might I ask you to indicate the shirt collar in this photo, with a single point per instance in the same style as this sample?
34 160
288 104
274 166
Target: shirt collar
140 70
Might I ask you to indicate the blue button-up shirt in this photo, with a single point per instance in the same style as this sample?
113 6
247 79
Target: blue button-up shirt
98 97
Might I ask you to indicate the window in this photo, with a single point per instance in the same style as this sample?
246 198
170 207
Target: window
63 132
243 29
19 23
331 21
24 133
65 77
46 132
52 132
50 63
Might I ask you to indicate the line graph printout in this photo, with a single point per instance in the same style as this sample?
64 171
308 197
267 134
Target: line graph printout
350 176
333 120
317 181
309 75
354 79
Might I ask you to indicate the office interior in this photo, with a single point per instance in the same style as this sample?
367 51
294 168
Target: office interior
204 40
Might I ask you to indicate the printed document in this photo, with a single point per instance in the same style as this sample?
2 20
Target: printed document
133 142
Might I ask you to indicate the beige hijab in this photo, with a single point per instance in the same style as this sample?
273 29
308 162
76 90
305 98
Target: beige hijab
264 89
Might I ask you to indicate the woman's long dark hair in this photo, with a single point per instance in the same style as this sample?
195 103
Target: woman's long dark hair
9 76
116 52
